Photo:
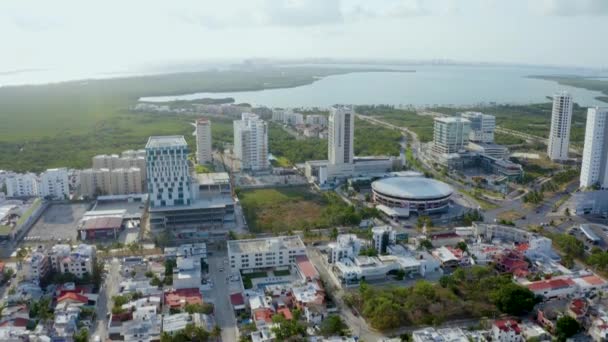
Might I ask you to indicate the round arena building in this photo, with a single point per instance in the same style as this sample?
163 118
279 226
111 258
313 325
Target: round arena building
418 194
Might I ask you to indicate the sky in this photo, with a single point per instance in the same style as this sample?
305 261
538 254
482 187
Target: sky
123 34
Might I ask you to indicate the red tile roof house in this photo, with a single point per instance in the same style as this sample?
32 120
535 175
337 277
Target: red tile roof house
559 287
179 298
511 262
578 308
73 298
506 330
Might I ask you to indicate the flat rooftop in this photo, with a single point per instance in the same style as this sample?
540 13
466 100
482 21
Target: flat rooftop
166 141
213 178
265 244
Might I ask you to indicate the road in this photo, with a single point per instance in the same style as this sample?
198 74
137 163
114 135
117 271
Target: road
104 302
220 295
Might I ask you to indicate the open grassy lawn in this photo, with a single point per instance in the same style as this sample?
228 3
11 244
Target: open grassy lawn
419 124
286 209
283 209
65 124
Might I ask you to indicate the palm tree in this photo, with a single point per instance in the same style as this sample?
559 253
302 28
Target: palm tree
216 332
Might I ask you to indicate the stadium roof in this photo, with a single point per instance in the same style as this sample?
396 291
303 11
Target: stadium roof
412 188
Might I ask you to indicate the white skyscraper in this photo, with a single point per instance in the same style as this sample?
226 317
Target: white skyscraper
482 127
559 135
203 141
251 142
54 184
595 153
341 135
168 171
450 134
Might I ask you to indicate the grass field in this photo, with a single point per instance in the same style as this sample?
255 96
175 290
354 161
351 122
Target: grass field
65 124
421 125
287 209
280 210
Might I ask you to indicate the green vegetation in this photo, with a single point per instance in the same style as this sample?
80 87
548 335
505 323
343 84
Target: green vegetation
247 283
472 216
204 168
507 139
333 325
204 308
419 124
566 327
281 273
189 333
288 329
374 140
369 140
534 119
473 292
283 144
41 309
81 335
284 209
65 124
534 197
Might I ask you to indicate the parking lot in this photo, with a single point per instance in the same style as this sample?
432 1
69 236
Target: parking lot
58 221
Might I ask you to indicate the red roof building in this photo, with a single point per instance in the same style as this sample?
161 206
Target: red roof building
578 308
506 330
285 312
306 269
181 297
101 228
511 261
262 316
73 298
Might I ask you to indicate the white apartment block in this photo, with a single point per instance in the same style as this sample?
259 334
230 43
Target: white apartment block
79 261
315 119
54 184
559 135
36 266
251 142
594 170
105 161
293 119
341 135
346 246
22 185
94 182
278 115
203 141
264 253
383 237
126 181
482 127
134 154
450 134
168 172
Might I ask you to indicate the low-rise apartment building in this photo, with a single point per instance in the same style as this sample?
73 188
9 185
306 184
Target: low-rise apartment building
265 252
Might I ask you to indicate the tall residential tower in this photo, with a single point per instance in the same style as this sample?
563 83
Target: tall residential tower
595 153
251 142
341 133
203 141
482 127
559 135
